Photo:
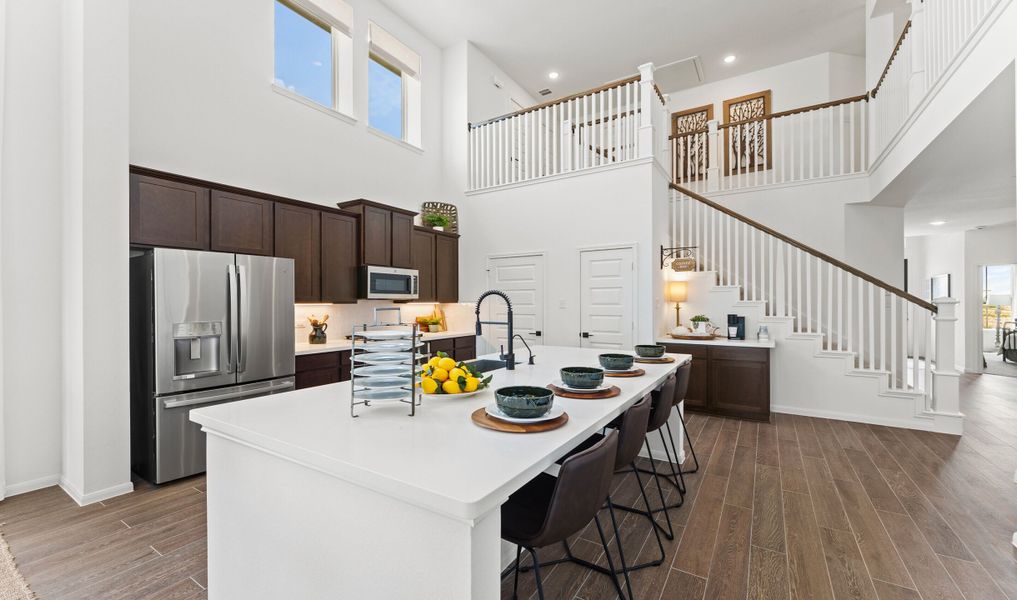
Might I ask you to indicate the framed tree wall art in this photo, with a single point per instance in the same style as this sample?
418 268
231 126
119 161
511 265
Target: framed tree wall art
691 142
747 133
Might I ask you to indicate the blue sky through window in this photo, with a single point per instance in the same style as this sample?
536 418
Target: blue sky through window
303 55
998 280
385 99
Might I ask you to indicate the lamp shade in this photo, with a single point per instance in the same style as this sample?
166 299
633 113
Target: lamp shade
677 291
999 300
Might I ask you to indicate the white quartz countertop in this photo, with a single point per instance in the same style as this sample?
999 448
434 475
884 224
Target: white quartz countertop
720 342
339 342
438 459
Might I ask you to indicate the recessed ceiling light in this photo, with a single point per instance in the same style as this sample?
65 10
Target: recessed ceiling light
730 58
552 75
937 223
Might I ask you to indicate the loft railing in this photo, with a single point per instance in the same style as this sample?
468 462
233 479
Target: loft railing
886 329
822 140
609 124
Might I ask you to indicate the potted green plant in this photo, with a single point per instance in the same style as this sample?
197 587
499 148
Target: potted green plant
434 325
436 221
699 323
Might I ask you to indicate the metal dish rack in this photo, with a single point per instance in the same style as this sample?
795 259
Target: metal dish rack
371 339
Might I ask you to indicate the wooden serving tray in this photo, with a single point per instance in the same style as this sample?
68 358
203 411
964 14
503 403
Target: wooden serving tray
655 361
608 393
697 337
482 419
632 373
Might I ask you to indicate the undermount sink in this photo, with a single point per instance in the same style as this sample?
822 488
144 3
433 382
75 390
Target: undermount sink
486 365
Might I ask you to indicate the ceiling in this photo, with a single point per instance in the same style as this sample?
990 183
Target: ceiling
966 176
590 42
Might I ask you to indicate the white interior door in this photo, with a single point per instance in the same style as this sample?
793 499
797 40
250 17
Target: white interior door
522 278
606 300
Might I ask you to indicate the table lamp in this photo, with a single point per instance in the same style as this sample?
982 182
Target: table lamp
677 292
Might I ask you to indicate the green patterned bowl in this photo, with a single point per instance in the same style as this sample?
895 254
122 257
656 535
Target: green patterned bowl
616 362
584 378
524 401
650 351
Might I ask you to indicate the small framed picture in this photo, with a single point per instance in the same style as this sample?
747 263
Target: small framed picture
940 286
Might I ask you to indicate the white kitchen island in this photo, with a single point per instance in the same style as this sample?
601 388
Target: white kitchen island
307 502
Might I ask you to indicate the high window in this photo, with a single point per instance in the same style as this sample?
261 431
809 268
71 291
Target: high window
313 52
393 87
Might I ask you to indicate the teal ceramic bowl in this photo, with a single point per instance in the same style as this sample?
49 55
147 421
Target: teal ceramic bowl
650 351
523 401
583 378
616 362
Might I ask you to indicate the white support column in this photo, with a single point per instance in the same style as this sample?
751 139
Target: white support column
568 143
713 156
946 379
646 110
916 79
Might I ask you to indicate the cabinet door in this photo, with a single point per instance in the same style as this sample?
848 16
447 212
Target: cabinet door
446 253
168 213
242 224
466 347
313 370
423 261
696 396
377 236
339 258
345 364
402 234
298 236
740 382
447 346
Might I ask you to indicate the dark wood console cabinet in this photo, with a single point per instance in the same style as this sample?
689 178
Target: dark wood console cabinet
729 381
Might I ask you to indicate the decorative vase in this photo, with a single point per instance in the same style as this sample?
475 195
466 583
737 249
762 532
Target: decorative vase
699 326
317 335
763 335
434 328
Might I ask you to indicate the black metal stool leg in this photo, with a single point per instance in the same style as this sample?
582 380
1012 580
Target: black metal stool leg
610 563
536 573
656 532
515 580
660 491
621 550
681 474
685 435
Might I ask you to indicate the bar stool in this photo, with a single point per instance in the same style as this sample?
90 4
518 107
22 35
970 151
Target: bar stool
677 478
631 427
549 509
662 402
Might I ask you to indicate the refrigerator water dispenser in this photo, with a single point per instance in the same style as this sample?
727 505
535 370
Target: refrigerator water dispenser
196 349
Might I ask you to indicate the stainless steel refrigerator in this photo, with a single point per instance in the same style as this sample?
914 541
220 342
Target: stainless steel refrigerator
206 328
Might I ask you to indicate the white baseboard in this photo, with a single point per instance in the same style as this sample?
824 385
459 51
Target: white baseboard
31 485
859 418
97 496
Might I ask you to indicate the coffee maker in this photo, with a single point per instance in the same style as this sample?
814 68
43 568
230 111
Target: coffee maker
735 327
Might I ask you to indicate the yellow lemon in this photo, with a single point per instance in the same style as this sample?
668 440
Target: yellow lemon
451 387
439 374
471 384
455 374
447 363
429 385
433 362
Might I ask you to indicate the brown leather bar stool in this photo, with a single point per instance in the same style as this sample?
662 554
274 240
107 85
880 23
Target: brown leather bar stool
549 509
662 403
631 427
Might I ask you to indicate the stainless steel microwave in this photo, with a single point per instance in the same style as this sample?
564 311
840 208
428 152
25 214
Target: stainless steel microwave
388 283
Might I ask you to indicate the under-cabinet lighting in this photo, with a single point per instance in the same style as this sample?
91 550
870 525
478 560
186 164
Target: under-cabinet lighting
730 58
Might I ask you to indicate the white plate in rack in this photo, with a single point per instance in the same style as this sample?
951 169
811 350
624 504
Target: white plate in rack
575 390
384 394
383 371
384 382
384 358
387 346
384 334
494 412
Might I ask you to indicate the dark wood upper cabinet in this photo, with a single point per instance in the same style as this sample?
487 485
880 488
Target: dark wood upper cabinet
446 259
402 236
339 258
168 213
423 251
386 233
242 224
298 236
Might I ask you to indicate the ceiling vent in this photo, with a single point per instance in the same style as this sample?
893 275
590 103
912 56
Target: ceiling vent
544 92
679 75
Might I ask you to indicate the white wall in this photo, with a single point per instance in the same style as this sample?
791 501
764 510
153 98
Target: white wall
803 82
31 253
202 105
935 255
487 101
874 241
558 217
989 246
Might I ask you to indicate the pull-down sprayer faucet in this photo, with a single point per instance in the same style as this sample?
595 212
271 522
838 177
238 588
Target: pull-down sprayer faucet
509 357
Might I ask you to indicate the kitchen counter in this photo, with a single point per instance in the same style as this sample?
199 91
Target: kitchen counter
298 486
720 342
340 342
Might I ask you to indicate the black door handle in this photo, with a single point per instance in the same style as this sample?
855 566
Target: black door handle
536 333
586 334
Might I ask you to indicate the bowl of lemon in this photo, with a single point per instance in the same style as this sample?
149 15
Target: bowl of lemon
444 376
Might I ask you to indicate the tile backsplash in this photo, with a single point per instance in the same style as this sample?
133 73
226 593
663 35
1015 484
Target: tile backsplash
342 317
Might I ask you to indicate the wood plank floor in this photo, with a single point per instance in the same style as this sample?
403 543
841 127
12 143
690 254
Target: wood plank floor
798 508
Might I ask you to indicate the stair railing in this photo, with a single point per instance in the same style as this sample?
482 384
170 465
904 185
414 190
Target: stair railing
880 327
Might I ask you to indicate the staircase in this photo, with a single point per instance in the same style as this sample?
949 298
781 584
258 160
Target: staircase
849 346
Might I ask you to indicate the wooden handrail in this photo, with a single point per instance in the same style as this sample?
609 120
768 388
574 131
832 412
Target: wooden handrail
606 86
660 94
777 115
893 55
825 257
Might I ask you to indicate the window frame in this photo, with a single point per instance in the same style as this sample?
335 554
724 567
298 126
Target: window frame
374 56
341 35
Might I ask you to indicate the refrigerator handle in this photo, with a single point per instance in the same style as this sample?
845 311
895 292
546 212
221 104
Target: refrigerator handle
231 330
245 320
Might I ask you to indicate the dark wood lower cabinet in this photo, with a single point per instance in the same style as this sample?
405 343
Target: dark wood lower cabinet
323 368
728 380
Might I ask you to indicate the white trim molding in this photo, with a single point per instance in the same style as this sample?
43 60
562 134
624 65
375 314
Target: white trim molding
97 496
